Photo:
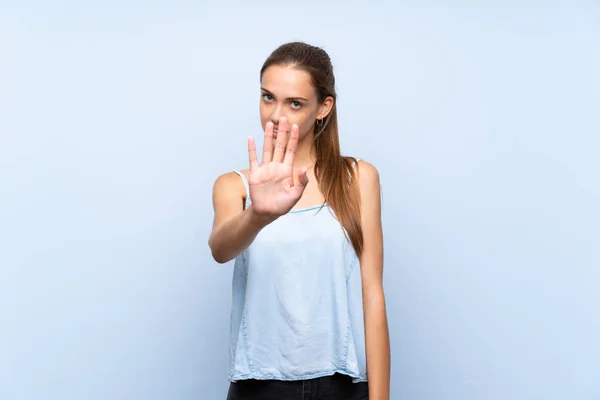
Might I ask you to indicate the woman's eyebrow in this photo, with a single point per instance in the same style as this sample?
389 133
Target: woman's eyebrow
289 98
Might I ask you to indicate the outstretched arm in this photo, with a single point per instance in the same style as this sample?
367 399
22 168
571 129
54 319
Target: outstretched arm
273 191
234 228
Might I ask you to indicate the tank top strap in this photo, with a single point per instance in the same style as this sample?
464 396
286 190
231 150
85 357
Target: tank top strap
354 165
248 201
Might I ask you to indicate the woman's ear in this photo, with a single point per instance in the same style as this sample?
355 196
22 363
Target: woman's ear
325 107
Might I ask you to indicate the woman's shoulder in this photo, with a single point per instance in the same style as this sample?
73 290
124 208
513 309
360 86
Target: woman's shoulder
369 184
366 171
231 182
232 176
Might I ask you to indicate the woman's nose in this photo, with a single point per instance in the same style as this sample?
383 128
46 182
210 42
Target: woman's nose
275 115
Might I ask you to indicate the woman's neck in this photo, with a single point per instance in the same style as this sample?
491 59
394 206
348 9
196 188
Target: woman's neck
306 154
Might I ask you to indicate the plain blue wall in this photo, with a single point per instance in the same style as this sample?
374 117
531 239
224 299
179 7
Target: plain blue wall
116 117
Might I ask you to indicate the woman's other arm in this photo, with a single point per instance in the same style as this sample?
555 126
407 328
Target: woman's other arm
371 264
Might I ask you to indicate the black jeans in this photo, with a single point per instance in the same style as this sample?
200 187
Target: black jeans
335 387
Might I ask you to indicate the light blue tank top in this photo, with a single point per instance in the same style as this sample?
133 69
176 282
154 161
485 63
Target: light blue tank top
297 301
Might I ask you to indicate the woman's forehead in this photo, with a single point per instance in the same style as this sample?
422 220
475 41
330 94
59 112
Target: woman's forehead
287 80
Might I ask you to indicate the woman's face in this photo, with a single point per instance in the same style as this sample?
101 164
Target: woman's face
288 92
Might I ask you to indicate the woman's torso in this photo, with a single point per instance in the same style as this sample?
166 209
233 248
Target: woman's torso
297 300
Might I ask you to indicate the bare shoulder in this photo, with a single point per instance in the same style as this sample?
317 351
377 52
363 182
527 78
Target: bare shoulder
368 176
228 180
229 185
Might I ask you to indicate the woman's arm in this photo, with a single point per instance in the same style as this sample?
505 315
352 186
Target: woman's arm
234 228
371 264
275 193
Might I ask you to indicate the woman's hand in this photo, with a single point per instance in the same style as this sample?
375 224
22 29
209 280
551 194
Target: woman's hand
273 190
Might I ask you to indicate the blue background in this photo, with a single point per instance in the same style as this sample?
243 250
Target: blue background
116 117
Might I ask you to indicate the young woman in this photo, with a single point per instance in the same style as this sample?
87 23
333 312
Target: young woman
304 227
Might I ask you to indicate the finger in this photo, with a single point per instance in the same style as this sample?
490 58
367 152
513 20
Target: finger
281 140
303 177
302 182
267 154
290 151
252 153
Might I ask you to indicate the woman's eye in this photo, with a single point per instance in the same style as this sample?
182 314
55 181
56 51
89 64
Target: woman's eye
267 97
296 104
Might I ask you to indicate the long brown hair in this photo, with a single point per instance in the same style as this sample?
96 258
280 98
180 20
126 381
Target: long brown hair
335 173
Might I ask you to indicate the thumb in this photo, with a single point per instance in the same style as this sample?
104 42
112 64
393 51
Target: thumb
302 181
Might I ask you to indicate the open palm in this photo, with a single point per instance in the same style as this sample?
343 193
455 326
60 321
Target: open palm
273 190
